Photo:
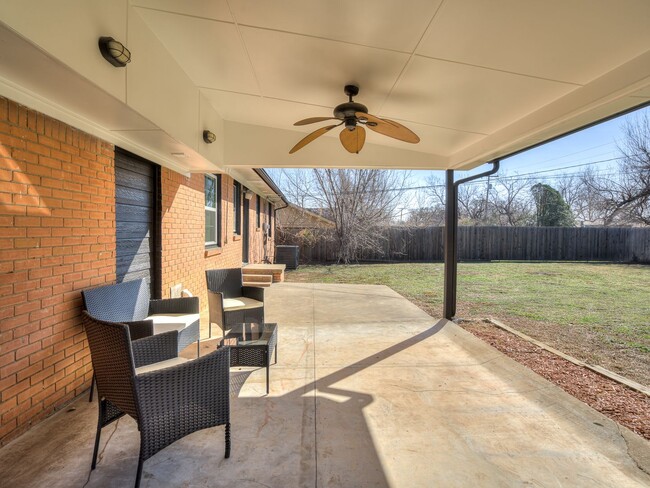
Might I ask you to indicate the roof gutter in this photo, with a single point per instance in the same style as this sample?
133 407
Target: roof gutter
271 184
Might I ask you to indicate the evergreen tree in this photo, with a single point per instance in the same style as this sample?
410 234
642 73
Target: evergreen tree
552 209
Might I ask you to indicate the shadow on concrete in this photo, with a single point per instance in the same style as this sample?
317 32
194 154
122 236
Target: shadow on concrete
355 450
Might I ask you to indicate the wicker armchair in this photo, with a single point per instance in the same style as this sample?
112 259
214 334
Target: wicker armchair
129 302
230 302
169 397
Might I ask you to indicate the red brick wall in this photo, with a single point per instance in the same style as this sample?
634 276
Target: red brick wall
184 256
182 231
57 237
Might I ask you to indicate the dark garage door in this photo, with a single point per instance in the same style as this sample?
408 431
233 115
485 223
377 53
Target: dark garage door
137 222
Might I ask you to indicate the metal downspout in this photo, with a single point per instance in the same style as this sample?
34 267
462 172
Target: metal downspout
451 236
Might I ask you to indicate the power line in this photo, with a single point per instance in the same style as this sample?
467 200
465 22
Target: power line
514 177
569 167
574 153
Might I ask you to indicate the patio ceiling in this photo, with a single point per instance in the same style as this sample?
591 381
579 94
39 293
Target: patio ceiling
475 80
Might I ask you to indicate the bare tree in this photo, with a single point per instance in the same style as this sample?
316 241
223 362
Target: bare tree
634 170
429 208
571 187
471 200
579 191
625 197
361 203
297 185
510 201
471 203
435 191
427 217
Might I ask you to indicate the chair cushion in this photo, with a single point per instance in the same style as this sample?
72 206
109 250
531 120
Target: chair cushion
172 321
160 365
240 303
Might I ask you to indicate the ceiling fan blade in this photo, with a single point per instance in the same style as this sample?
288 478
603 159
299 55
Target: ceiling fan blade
389 128
411 136
310 137
313 120
353 140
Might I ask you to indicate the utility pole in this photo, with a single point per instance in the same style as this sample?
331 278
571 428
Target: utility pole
487 197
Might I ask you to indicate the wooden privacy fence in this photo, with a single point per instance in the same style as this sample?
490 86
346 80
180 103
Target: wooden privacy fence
618 244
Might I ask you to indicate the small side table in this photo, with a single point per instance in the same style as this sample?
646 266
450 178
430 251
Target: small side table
251 344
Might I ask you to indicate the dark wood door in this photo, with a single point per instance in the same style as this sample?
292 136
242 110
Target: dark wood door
137 204
245 237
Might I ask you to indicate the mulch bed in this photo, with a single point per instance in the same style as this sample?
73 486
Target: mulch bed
614 400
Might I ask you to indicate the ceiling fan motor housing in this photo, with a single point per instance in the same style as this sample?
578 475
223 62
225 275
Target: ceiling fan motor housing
348 109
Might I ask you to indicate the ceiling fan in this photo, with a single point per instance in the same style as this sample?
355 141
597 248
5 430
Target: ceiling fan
355 115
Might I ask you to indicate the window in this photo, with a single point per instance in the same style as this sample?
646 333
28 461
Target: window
236 200
270 220
212 210
259 211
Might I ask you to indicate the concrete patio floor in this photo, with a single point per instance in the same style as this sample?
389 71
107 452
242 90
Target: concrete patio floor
369 391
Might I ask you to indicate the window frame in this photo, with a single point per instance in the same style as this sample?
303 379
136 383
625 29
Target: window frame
237 207
270 210
216 241
258 212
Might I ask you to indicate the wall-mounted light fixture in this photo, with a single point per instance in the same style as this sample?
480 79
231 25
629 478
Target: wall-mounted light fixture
114 52
248 194
209 137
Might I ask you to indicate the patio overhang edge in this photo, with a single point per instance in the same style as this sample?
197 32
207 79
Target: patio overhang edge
604 98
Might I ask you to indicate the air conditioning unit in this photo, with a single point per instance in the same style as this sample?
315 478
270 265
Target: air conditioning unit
287 255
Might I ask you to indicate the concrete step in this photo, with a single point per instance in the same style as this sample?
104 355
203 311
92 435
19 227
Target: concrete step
266 284
274 270
257 278
257 269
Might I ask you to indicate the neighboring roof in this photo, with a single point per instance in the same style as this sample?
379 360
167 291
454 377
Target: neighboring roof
476 80
324 213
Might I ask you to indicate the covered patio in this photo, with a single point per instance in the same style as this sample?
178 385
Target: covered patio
368 391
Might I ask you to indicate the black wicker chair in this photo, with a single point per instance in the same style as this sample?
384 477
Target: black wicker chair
230 302
129 302
167 404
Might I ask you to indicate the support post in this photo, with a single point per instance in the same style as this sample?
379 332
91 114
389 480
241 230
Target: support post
451 236
451 246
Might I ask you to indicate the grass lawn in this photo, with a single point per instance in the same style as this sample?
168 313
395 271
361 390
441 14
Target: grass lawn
598 312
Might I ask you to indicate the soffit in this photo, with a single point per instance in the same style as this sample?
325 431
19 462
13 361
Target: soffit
573 42
458 73
475 79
